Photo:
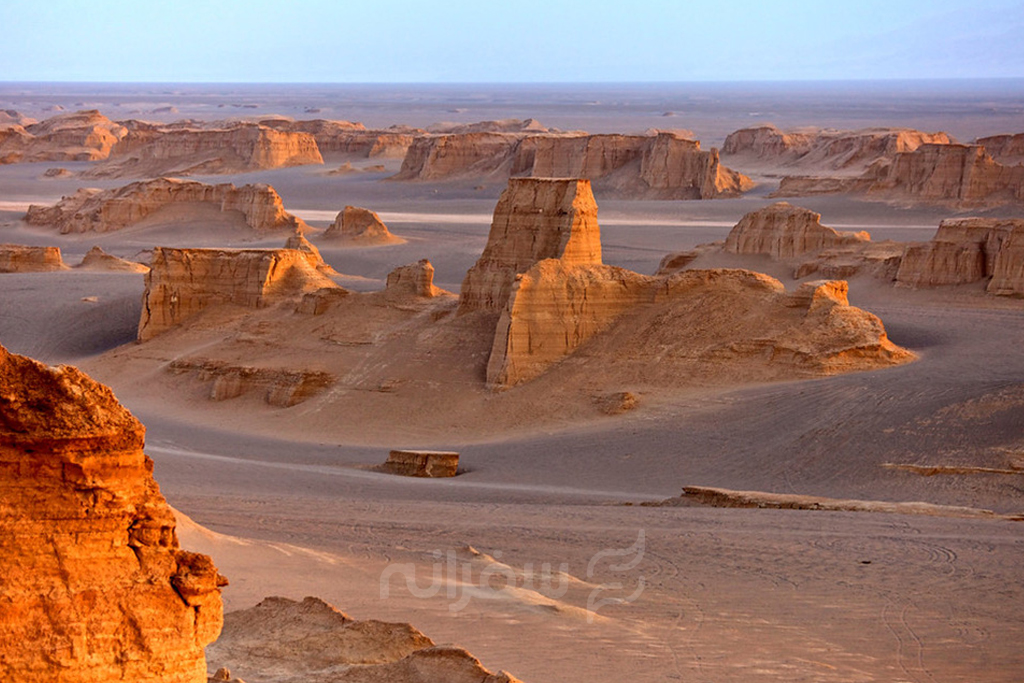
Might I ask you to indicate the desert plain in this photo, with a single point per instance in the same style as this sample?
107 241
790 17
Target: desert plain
563 550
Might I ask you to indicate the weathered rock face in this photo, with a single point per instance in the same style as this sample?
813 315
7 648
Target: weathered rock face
183 282
97 259
662 166
352 139
683 322
95 586
90 210
415 279
360 227
535 219
17 258
963 251
155 150
1006 149
832 149
434 464
81 136
1008 269
312 641
784 231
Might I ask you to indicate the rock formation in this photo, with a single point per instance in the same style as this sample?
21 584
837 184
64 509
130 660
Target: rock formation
151 150
312 641
535 219
97 259
943 173
415 279
344 138
850 150
81 136
360 227
17 258
433 464
1006 149
659 166
90 210
280 387
95 587
967 250
784 231
183 282
681 323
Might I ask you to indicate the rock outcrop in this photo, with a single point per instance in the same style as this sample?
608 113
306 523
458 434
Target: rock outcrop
345 138
17 258
81 136
91 210
95 587
783 231
967 250
360 227
659 166
432 464
1006 149
183 282
683 324
839 150
936 173
415 279
312 641
150 150
535 219
97 259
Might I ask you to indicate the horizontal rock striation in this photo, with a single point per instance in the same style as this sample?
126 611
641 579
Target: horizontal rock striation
17 258
95 587
345 138
784 231
183 282
1006 149
90 210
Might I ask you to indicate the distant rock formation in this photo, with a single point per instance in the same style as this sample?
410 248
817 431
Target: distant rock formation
344 138
150 150
967 250
81 136
947 174
95 587
692 318
97 259
183 282
11 116
415 279
535 219
1006 149
360 227
311 641
659 166
784 231
90 210
838 150
500 126
17 258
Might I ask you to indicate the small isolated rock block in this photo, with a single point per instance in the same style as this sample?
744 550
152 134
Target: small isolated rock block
432 464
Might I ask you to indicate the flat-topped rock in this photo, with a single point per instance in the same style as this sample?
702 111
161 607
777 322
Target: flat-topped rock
18 258
415 279
965 250
783 231
422 463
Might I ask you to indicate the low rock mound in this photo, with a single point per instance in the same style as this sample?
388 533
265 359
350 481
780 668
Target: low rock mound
415 279
80 136
294 642
361 227
535 219
95 586
784 231
91 210
97 259
17 258
183 282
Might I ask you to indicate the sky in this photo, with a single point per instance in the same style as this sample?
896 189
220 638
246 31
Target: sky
520 41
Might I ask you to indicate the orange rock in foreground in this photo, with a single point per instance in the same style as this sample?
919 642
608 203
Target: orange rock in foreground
95 587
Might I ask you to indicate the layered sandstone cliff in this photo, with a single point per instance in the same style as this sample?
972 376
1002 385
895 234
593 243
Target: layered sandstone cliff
80 136
17 258
360 227
784 231
95 587
344 138
183 282
839 150
535 219
91 210
1006 149
660 166
967 250
683 324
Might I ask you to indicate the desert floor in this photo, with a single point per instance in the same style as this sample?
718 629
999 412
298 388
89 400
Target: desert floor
693 593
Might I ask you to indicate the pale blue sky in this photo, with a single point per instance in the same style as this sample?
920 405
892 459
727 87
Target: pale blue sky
517 41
